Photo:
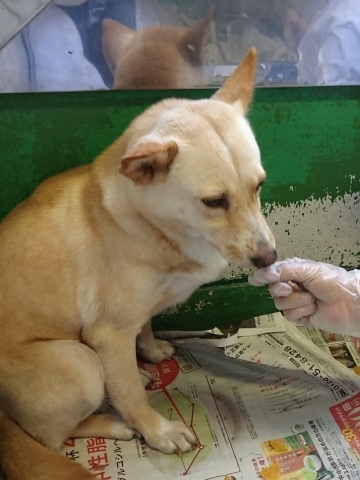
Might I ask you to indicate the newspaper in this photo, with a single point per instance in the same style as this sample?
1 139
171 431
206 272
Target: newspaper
274 399
344 348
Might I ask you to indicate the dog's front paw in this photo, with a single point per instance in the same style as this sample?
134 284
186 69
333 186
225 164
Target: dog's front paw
172 437
161 350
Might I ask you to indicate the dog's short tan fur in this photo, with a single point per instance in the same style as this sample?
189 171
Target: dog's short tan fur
155 57
95 252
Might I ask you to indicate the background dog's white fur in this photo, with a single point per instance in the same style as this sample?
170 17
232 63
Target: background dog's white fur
94 253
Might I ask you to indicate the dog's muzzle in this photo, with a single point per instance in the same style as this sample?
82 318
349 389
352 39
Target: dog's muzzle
264 259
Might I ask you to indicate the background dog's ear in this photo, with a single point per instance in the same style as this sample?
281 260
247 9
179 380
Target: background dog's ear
116 39
192 42
239 87
146 159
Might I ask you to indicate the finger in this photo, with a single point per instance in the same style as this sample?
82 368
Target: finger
302 322
297 270
294 300
306 322
263 276
297 313
282 271
280 289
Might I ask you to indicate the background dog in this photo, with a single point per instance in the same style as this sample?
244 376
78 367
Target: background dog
155 57
95 252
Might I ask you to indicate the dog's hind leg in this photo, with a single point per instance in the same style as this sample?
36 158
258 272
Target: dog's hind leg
105 426
61 383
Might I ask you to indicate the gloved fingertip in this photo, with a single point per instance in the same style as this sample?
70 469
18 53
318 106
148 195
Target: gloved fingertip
301 322
254 280
280 289
263 276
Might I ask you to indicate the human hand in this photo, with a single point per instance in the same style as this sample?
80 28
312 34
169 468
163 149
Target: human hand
319 295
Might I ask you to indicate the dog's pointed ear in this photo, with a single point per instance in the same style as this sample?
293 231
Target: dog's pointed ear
239 87
116 38
146 159
192 42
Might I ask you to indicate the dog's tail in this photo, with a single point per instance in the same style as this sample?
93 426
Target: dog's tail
23 458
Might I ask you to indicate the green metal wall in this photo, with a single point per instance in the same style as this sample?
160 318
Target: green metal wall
309 138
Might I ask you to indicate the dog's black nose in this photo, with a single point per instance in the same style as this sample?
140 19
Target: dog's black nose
265 259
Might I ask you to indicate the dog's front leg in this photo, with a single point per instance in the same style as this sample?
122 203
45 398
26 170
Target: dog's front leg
153 349
116 349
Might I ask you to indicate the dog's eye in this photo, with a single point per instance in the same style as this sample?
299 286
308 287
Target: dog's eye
220 202
259 185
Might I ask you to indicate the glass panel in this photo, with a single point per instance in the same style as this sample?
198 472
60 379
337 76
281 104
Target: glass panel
15 14
148 44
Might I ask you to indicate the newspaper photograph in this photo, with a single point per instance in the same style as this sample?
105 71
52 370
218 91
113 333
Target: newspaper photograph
272 406
344 348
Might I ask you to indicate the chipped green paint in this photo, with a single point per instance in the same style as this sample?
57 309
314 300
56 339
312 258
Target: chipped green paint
325 229
216 305
309 139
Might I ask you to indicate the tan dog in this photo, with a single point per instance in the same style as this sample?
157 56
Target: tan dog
93 254
156 57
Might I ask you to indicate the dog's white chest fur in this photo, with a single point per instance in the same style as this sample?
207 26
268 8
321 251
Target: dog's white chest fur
181 284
